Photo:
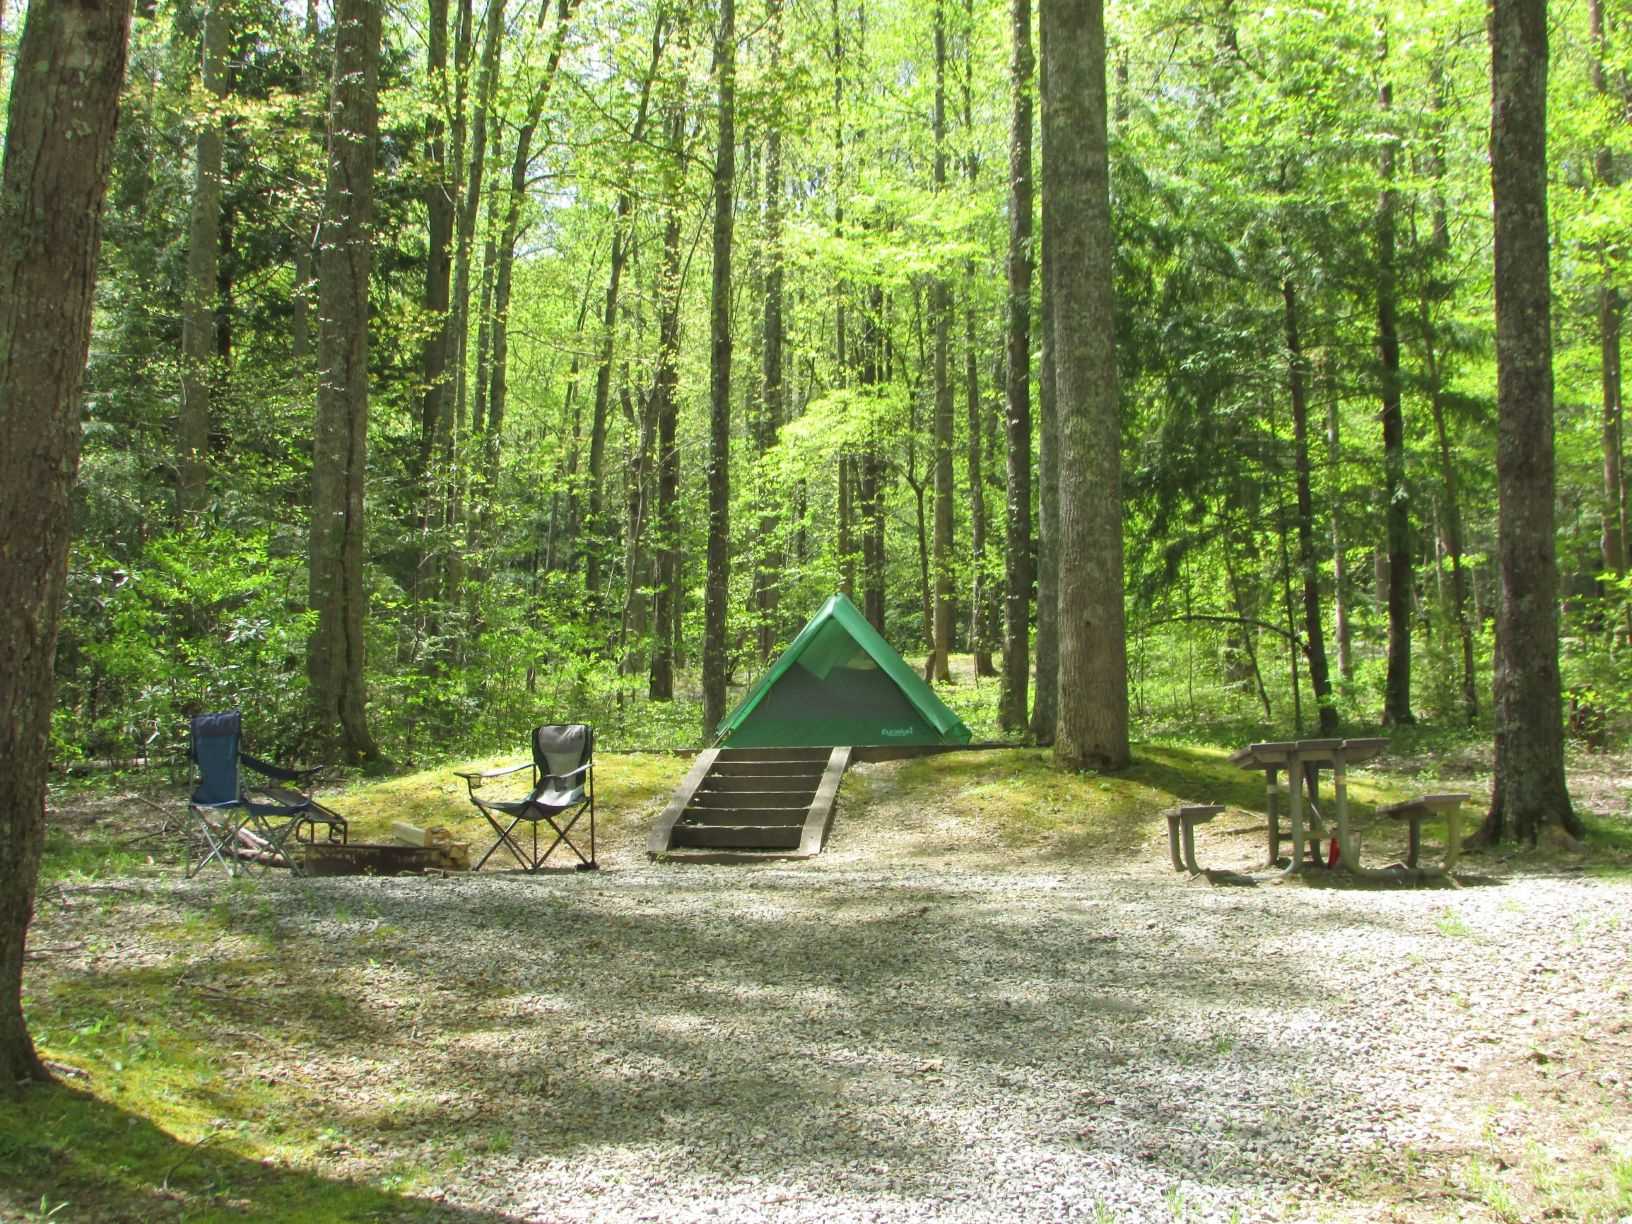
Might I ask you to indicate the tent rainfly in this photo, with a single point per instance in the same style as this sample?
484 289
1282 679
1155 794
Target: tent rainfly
840 683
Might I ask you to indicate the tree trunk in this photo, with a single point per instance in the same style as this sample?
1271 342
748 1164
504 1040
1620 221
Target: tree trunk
1017 418
1532 795
1341 630
340 436
1612 531
767 575
595 529
1045 706
439 211
1397 510
717 584
660 685
1093 684
982 622
941 309
203 257
300 341
1315 645
59 144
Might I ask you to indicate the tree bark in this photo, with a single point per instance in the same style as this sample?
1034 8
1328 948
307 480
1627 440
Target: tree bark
1017 390
58 150
717 582
1315 644
198 333
1531 793
335 655
1093 685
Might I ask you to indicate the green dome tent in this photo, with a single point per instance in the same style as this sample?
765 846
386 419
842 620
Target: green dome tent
840 683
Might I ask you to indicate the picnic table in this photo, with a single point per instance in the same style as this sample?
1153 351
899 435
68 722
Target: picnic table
1303 760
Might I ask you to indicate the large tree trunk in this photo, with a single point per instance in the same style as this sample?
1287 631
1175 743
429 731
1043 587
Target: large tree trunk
59 142
1397 503
1017 575
941 308
717 583
203 257
1093 682
340 438
1297 375
1531 794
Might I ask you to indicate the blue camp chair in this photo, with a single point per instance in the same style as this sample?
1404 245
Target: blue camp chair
563 790
244 827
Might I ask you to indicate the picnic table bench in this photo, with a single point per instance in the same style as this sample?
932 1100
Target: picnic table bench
1415 811
1302 760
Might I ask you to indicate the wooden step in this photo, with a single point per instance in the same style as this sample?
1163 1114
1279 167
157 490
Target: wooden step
749 799
723 783
766 769
745 816
740 837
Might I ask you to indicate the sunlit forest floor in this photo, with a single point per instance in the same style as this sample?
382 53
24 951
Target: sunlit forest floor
990 998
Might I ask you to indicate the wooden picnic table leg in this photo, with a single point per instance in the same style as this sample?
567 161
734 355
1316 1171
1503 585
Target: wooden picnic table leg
1348 853
1173 839
1453 837
1294 789
1272 801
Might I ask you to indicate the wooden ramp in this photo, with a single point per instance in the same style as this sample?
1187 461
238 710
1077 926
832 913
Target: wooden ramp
751 804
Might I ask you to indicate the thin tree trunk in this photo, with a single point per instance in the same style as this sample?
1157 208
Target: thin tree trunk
1341 629
1017 418
1093 683
440 190
1397 505
767 575
198 333
1046 704
982 621
660 685
1612 532
335 662
1531 794
1315 645
52 188
301 296
941 308
717 584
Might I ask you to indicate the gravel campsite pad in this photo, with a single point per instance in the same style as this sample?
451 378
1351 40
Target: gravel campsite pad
875 1035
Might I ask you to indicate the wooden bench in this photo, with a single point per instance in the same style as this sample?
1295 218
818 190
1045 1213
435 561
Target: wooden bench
1181 832
1414 810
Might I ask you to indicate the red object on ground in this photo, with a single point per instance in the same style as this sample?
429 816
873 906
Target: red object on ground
1332 854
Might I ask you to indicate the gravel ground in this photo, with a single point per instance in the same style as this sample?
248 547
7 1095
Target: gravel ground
878 1035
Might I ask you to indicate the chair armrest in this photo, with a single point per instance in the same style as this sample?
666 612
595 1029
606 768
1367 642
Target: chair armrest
279 772
474 778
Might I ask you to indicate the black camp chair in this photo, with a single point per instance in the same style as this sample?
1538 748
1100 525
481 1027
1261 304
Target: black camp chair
563 790
241 826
